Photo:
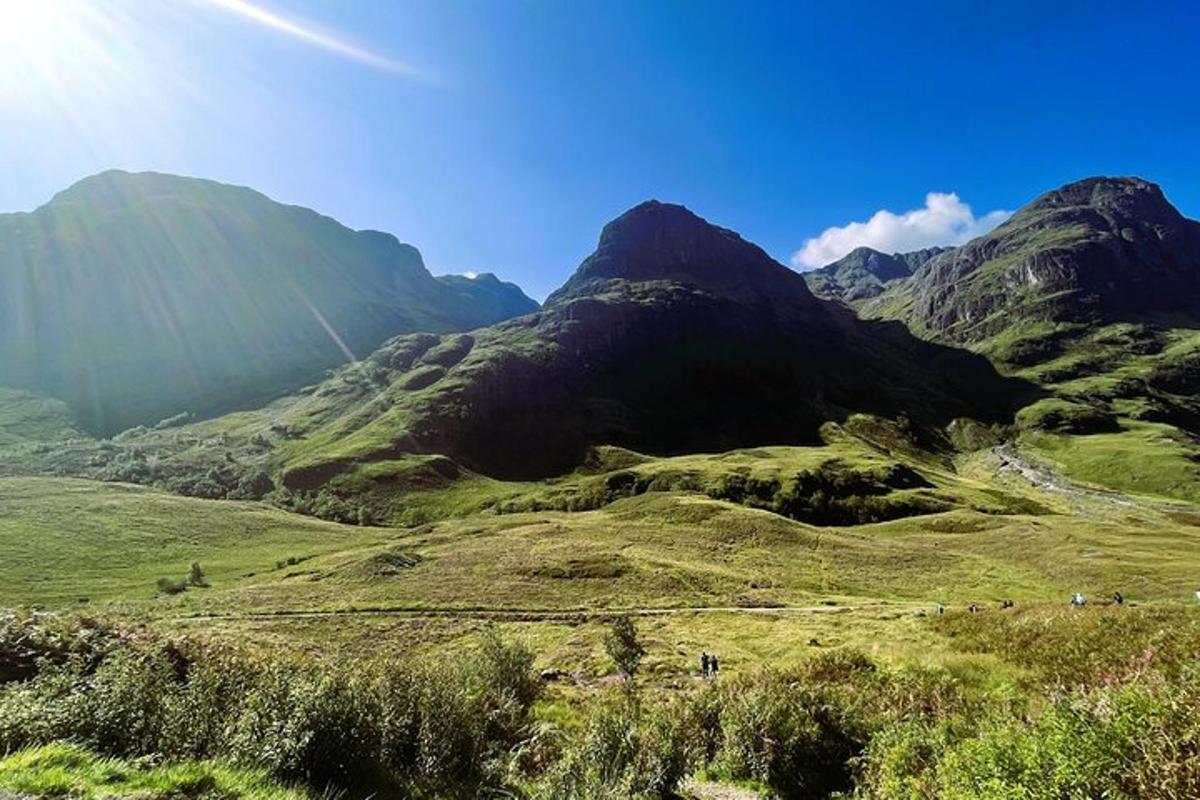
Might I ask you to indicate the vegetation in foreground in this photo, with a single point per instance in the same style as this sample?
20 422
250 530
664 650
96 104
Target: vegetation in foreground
68 770
100 711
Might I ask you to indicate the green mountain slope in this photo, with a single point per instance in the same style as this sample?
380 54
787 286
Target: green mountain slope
134 297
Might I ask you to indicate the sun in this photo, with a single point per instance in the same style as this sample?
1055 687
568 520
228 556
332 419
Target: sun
49 48
30 26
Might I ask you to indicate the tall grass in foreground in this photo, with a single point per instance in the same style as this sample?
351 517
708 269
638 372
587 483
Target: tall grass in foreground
157 715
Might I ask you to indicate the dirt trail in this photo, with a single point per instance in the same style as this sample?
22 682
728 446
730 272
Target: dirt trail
544 614
705 790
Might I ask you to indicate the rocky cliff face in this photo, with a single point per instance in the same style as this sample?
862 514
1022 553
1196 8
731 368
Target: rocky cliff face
1098 249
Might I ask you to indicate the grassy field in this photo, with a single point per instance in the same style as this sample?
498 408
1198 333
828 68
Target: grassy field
1143 458
67 541
699 572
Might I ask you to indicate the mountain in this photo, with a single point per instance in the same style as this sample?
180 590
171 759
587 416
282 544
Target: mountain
864 273
674 336
135 297
1098 250
487 298
1091 291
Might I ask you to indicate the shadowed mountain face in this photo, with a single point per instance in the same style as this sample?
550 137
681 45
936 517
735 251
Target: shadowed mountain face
663 242
674 336
1101 249
138 296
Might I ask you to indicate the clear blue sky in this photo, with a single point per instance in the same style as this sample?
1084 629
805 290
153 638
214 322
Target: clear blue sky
522 127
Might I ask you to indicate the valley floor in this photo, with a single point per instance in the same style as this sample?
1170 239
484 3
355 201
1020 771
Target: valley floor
696 573
699 573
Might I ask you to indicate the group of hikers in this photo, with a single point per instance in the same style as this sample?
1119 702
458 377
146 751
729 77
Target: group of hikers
709 665
1077 599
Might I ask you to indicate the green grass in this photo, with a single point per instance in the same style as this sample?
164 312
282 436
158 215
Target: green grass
65 540
65 770
1144 458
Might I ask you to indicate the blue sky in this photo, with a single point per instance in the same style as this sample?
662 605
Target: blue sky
501 136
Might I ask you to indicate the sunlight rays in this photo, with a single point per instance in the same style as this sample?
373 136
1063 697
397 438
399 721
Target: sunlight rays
258 14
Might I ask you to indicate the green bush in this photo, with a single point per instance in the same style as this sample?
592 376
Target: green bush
404 727
465 727
172 585
793 738
624 751
1128 741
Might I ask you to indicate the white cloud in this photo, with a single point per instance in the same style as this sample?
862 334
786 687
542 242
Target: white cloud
945 220
470 275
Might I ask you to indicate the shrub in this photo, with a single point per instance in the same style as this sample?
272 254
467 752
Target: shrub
623 646
793 738
624 751
441 729
172 585
1130 741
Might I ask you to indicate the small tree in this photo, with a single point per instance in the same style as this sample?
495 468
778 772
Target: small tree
196 575
623 646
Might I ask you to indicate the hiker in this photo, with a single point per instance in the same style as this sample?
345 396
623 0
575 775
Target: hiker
1078 599
941 609
704 665
1198 595
973 608
714 666
1006 604
1118 598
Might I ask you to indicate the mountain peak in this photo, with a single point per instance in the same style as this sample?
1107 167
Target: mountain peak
652 235
116 187
1125 197
656 241
1110 249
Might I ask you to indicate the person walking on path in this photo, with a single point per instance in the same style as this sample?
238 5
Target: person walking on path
704 665
714 665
